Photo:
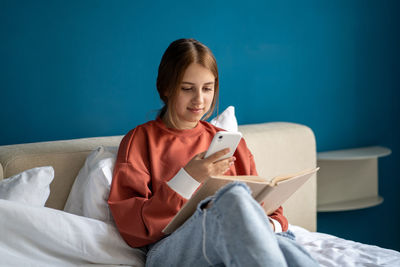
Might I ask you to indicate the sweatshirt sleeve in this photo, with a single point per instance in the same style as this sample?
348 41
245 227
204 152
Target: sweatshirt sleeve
135 199
184 184
278 216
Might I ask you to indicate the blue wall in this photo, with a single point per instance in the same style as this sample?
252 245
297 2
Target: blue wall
71 69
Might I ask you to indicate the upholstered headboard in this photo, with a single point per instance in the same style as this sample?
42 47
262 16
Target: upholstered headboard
278 148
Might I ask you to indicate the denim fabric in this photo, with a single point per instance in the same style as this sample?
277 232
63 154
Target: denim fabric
234 231
288 234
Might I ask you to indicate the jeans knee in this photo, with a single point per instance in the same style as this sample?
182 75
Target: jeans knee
235 192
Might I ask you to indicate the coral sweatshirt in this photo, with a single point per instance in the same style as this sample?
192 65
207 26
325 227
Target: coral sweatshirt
150 185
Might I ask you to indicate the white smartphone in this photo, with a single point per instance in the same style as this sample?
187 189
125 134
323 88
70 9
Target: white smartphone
222 140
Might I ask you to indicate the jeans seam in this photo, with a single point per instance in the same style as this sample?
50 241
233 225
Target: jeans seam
204 238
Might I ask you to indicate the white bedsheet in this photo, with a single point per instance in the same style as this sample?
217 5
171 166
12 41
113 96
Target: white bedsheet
37 236
330 250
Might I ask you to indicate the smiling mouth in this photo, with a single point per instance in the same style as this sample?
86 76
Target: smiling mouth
196 110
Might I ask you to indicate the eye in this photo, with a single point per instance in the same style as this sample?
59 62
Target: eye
186 88
208 89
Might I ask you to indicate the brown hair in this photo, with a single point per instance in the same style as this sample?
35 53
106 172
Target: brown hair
176 59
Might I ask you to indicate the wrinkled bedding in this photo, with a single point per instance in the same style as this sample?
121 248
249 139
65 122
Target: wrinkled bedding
48 237
330 250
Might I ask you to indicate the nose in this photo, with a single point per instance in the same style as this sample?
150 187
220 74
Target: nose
197 97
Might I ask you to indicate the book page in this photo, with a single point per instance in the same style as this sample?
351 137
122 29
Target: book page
274 196
244 178
255 183
280 178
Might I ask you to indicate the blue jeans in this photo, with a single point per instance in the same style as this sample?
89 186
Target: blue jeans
234 231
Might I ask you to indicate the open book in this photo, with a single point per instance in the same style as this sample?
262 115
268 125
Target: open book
273 192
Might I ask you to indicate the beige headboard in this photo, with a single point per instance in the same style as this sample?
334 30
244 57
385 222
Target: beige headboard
278 148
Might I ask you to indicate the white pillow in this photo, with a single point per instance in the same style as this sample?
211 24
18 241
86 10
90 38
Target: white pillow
226 120
89 193
30 187
40 236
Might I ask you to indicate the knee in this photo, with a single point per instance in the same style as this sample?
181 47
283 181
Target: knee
234 205
234 194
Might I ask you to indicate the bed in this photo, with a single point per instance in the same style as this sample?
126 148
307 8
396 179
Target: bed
54 211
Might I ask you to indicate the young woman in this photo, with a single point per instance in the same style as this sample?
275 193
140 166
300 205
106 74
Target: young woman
160 164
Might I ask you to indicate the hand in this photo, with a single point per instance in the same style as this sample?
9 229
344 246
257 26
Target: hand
200 168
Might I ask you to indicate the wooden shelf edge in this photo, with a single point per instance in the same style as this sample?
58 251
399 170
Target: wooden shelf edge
351 205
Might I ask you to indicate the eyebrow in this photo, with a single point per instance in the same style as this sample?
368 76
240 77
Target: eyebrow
209 83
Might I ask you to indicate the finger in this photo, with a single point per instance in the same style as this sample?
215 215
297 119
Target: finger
201 155
227 162
227 169
222 166
214 157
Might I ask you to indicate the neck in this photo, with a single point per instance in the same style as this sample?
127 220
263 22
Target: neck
168 122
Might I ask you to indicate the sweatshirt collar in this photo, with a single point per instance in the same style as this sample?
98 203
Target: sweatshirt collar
187 132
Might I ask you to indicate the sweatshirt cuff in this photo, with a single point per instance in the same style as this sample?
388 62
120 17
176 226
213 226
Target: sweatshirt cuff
183 184
277 225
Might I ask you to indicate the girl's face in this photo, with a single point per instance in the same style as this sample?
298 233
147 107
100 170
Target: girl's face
195 96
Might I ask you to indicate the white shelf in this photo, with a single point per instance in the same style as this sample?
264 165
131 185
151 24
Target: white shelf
352 204
355 153
348 179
